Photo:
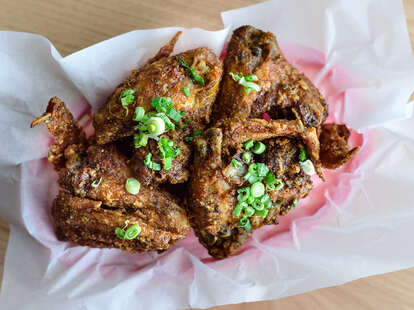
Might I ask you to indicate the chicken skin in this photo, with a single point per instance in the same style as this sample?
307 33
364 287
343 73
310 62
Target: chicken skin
94 200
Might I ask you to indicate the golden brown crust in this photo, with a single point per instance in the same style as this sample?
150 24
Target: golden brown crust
162 78
91 223
63 127
335 150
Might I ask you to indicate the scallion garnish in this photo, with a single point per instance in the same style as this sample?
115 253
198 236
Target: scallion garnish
246 82
257 189
249 144
258 148
307 167
295 202
197 133
150 164
132 186
186 91
162 104
128 234
96 183
245 223
263 213
244 193
236 163
239 208
140 139
138 114
155 125
188 139
196 77
126 98
303 154
247 157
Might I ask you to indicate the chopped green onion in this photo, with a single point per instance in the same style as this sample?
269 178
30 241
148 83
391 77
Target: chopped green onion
132 232
174 115
251 77
273 184
188 121
258 205
251 178
263 213
166 147
186 91
235 77
247 157
248 144
132 186
303 155
244 193
188 139
308 167
96 183
248 211
162 104
167 163
269 205
246 82
251 199
197 133
257 189
155 126
265 198
140 139
168 124
138 114
245 223
279 203
150 164
295 202
259 148
260 170
194 75
120 233
236 163
239 208
126 98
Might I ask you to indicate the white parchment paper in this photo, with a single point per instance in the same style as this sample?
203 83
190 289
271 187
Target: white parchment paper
369 233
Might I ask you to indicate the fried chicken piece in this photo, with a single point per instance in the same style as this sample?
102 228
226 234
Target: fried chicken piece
63 127
95 175
214 183
334 146
164 77
285 92
91 223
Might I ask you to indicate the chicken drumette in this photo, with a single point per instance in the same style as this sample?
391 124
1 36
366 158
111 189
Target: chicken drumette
94 200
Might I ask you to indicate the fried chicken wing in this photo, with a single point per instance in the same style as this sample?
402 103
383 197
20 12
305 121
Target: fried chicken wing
94 200
164 77
285 92
91 223
215 181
